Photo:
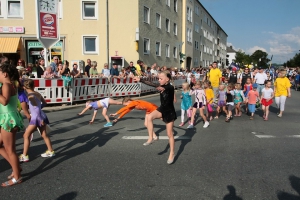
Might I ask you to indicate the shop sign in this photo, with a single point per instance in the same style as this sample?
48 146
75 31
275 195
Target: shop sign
12 29
39 45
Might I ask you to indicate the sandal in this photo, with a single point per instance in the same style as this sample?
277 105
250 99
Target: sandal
216 117
14 182
11 176
227 119
155 138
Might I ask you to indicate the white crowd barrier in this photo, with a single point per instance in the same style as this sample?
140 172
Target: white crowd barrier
124 87
54 91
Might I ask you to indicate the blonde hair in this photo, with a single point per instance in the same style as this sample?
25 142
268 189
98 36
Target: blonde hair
187 85
126 99
94 63
199 83
208 84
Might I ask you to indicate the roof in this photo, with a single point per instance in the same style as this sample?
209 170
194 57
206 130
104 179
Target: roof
230 50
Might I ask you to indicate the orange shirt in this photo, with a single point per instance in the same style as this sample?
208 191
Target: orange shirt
138 105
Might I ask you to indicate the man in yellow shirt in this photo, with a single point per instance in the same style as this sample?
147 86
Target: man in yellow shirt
215 77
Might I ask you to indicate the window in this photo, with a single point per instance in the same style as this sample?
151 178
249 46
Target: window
175 5
167 25
175 52
197 12
157 48
167 50
168 2
146 46
14 8
89 10
175 29
90 45
196 45
158 20
60 9
197 27
146 15
189 35
189 13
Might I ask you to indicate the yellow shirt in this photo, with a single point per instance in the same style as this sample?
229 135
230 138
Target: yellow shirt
138 69
214 77
209 93
282 84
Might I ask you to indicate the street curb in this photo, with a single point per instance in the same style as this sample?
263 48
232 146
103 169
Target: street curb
66 107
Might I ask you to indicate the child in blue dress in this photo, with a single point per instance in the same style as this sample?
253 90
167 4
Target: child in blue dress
186 103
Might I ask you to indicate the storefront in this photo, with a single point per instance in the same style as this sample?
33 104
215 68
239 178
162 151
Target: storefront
35 51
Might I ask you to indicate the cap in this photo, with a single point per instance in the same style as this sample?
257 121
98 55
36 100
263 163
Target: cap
260 68
233 69
254 85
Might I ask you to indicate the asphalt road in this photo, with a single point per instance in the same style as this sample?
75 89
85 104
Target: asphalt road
243 159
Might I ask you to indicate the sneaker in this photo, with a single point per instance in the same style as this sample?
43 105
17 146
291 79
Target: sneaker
190 126
23 158
108 124
206 124
48 154
181 124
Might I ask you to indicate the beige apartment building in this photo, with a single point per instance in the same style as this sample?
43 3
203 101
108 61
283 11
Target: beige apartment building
154 31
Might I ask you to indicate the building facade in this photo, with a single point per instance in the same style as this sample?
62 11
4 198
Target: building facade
231 53
154 31
205 41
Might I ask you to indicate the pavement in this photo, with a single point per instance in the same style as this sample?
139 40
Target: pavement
229 161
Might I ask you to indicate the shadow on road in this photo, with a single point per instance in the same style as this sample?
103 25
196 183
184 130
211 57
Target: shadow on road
295 183
189 133
69 196
66 152
232 194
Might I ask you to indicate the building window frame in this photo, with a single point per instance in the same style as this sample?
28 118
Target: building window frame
158 24
84 51
176 5
146 20
5 9
175 52
168 3
168 25
196 45
175 28
167 51
146 46
196 27
158 51
83 17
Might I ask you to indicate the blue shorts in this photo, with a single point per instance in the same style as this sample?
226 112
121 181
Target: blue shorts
251 108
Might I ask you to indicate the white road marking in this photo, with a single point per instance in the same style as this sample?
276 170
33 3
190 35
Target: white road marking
273 136
160 137
265 136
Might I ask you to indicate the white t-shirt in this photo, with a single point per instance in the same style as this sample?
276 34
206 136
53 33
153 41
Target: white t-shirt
197 76
261 78
267 93
153 71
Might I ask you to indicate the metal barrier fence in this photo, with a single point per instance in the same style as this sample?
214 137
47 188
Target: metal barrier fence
54 91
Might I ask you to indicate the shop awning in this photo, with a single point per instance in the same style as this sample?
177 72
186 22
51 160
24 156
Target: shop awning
9 45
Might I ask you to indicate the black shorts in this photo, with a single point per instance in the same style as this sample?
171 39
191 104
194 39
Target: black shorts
167 115
198 105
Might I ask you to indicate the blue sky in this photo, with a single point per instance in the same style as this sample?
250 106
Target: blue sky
269 25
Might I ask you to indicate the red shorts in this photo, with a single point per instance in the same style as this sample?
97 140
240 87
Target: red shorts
266 103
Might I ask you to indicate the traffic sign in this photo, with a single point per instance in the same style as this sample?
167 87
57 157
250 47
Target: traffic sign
47 22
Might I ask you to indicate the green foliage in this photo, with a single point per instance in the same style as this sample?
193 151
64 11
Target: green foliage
293 62
259 58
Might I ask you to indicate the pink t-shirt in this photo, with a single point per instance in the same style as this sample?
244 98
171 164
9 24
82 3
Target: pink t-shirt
252 96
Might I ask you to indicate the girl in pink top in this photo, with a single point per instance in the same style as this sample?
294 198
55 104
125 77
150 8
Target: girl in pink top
252 98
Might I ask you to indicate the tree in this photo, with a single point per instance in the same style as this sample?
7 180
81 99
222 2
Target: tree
242 58
260 58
